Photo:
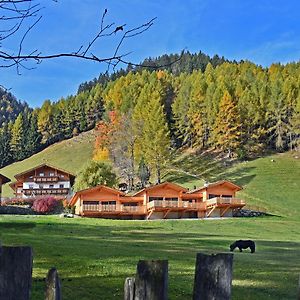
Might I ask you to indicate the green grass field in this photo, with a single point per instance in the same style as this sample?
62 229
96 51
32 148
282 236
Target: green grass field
95 256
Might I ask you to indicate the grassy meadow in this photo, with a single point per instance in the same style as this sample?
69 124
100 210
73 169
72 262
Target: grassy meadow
95 256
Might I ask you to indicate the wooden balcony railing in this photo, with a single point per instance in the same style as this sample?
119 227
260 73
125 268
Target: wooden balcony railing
60 191
174 204
117 208
40 179
195 205
225 200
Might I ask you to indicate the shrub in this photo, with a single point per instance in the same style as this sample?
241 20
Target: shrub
45 205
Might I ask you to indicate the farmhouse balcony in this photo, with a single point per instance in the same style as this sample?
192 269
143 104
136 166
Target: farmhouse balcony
35 192
39 179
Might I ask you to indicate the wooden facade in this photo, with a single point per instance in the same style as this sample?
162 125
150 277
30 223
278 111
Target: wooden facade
162 201
43 180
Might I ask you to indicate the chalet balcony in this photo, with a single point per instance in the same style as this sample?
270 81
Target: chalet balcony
44 179
181 205
219 201
187 205
37 192
112 208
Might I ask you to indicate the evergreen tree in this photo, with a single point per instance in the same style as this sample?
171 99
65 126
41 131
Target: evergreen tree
17 143
5 149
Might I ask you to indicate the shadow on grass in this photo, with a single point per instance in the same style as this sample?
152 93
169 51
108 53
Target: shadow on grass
94 261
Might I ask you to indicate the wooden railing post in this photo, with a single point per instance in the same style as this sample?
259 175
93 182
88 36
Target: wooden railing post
53 291
151 280
15 272
213 277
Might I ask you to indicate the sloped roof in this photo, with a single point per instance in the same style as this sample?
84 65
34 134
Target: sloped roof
98 187
172 185
41 166
4 179
217 183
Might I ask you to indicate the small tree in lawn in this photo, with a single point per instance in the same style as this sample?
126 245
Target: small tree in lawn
227 129
95 173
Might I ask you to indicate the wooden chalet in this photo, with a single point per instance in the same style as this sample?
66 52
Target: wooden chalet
162 201
43 180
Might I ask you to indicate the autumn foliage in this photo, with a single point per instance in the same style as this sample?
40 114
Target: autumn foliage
45 205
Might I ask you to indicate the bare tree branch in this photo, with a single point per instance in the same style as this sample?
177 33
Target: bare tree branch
19 17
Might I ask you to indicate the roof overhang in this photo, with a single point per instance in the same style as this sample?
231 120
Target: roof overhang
4 179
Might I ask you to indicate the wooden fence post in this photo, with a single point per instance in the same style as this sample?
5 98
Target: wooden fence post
129 288
53 291
15 272
213 277
151 280
298 289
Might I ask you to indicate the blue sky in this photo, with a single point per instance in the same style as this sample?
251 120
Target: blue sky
263 31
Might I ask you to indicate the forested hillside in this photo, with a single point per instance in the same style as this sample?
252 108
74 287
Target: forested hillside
238 109
10 107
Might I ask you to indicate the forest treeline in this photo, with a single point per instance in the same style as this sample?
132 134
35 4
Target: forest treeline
185 62
34 129
240 109
10 107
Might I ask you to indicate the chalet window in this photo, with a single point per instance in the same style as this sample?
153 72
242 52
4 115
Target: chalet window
227 196
51 174
155 198
31 186
171 199
91 202
51 186
210 196
42 174
108 202
61 186
130 204
41 186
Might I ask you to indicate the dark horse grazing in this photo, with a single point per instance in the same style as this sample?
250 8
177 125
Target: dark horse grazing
243 244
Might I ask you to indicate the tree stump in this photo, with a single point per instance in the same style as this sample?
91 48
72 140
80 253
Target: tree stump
53 291
15 272
151 280
213 277
298 289
129 288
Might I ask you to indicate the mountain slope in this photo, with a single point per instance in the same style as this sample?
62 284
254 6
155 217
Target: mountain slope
271 182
